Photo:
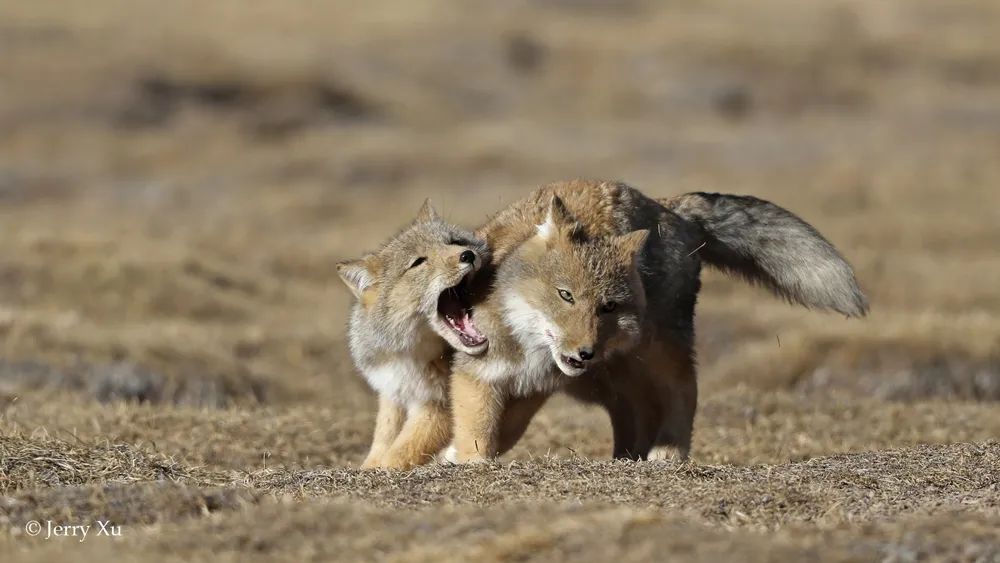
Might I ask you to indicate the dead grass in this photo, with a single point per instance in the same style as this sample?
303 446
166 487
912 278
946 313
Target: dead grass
825 492
178 180
740 426
541 508
539 531
133 504
27 464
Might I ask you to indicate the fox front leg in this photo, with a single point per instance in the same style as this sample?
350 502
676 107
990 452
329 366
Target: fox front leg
517 417
426 432
477 408
388 423
677 386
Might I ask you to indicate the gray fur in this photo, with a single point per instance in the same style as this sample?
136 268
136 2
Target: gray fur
769 245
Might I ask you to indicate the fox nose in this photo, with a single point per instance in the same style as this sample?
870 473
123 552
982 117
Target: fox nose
586 354
467 257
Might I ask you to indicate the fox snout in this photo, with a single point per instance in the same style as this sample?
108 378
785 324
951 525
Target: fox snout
578 359
465 259
575 339
454 265
575 352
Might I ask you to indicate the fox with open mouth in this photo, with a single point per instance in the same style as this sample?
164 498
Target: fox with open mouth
588 287
412 309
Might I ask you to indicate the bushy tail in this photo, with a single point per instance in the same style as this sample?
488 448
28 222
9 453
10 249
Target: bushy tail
771 246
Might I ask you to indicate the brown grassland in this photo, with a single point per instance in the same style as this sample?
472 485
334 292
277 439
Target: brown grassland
178 179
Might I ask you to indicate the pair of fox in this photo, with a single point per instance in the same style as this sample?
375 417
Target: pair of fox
584 287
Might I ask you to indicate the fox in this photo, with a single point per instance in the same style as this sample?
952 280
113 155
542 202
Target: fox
599 245
596 277
410 314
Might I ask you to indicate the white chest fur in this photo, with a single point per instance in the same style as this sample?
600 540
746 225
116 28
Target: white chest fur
529 367
409 371
408 382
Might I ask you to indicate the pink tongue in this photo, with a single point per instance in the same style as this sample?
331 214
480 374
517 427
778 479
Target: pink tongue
469 327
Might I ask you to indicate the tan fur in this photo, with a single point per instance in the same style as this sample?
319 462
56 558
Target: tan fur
647 379
427 430
562 257
592 242
477 411
388 423
392 340
489 424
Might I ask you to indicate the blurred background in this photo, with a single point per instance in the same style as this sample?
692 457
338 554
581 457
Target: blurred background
178 179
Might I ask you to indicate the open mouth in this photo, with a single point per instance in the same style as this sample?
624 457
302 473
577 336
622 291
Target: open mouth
455 308
571 362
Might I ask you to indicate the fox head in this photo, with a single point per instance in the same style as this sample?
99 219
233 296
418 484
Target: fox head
577 295
421 273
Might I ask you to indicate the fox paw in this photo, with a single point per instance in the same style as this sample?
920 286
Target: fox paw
372 462
663 453
452 455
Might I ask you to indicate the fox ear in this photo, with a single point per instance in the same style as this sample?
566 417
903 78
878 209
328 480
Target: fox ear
557 219
632 243
427 212
357 275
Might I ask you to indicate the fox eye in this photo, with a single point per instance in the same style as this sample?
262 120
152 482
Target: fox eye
609 307
418 261
566 296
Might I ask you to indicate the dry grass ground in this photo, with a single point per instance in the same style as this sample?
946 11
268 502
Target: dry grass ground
178 179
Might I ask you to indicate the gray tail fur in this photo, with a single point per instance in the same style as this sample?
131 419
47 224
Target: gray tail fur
770 246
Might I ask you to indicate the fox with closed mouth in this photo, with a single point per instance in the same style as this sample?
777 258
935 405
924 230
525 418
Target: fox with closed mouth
584 286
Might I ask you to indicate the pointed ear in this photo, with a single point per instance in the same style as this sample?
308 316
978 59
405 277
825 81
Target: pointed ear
557 218
427 212
357 275
632 243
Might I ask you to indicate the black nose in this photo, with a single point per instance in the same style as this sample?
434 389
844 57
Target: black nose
467 257
586 354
